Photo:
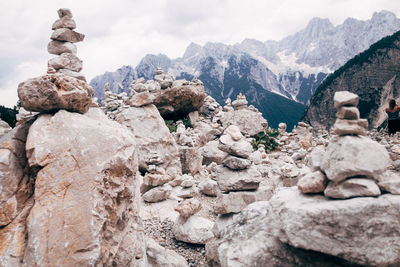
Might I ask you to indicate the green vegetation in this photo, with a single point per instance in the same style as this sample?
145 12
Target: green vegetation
171 124
9 115
268 140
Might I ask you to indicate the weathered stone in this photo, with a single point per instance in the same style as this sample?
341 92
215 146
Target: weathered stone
242 148
194 230
211 153
235 163
67 35
158 256
209 187
86 207
16 185
154 179
179 100
348 113
315 182
4 128
350 156
141 99
157 194
345 98
241 118
187 192
55 91
188 207
352 187
58 47
72 73
351 127
229 180
66 61
293 229
165 80
389 181
191 159
234 132
314 159
62 12
155 144
64 22
233 202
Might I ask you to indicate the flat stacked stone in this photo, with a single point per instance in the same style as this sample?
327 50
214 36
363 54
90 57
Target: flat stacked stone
62 44
240 102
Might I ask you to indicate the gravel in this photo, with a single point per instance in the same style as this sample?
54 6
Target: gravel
161 231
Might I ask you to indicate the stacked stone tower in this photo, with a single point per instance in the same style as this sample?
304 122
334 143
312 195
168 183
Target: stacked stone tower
62 45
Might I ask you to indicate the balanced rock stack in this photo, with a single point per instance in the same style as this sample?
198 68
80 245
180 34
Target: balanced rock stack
353 164
63 87
62 44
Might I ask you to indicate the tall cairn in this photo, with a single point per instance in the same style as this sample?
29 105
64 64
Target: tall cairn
62 45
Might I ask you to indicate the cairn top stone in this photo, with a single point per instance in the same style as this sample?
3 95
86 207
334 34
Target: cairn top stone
62 12
345 98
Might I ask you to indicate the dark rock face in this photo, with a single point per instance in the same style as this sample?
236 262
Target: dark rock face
373 75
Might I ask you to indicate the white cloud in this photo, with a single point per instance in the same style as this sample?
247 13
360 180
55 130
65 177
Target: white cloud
121 32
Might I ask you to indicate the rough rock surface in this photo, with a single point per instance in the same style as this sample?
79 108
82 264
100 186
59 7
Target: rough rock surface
86 192
229 180
178 101
4 127
235 163
389 181
155 144
350 156
191 159
158 256
58 47
211 153
352 187
289 229
247 126
66 61
195 230
188 207
67 35
55 91
315 182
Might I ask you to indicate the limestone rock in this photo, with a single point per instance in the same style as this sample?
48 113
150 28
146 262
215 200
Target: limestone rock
345 98
16 185
195 230
4 128
64 22
389 181
155 179
235 163
165 80
361 230
86 207
314 159
63 12
191 159
157 194
234 202
352 127
247 126
348 113
350 156
72 73
241 148
55 91
188 207
211 153
229 180
179 100
141 99
67 35
58 47
66 61
352 187
158 256
155 144
209 187
315 182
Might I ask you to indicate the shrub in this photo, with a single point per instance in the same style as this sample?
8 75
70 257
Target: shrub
268 140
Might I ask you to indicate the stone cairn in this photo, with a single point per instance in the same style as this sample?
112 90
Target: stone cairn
113 104
62 45
353 165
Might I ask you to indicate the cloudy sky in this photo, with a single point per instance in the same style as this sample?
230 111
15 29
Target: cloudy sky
121 32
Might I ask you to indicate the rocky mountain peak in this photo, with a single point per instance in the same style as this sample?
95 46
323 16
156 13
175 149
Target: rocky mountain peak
192 50
383 16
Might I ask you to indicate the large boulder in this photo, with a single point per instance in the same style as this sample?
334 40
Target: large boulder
247 126
293 229
55 91
86 209
179 101
4 127
350 156
155 144
194 230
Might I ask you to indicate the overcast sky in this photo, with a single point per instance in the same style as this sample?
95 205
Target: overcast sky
121 32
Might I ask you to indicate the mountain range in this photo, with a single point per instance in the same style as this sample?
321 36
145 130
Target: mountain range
277 77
